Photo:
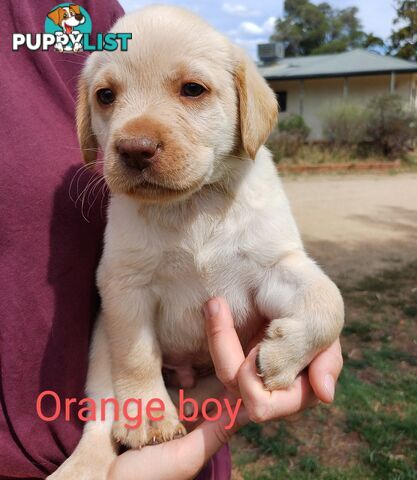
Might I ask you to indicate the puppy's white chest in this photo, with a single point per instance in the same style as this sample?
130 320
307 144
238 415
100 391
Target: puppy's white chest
185 280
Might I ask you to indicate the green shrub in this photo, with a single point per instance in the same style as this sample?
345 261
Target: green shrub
385 126
287 140
345 124
284 145
294 125
391 126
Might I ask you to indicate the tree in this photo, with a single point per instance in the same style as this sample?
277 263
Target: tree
371 41
309 29
404 39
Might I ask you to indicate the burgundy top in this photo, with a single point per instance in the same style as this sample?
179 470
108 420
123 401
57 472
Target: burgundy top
49 252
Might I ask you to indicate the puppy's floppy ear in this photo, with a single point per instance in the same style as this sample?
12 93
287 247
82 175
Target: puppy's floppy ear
56 15
75 9
86 136
258 107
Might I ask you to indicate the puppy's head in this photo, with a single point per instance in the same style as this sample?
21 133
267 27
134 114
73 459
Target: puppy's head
173 111
67 17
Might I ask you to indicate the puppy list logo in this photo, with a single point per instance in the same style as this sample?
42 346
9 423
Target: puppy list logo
68 28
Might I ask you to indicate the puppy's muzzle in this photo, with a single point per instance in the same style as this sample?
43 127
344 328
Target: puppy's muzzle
139 153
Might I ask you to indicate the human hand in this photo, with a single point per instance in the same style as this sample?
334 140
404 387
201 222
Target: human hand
179 459
183 458
239 374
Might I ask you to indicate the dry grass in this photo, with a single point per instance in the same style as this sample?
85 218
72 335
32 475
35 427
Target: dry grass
324 153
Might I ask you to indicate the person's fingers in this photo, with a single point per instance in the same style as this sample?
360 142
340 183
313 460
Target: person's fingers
250 383
324 371
179 459
153 463
203 442
262 405
224 344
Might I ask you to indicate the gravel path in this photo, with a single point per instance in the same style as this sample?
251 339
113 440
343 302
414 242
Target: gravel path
356 224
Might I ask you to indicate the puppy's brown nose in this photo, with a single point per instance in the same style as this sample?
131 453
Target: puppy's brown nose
138 153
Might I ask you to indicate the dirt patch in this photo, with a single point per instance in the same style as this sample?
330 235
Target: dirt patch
354 225
321 435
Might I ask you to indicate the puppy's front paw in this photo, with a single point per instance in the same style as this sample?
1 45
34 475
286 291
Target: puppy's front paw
148 432
283 353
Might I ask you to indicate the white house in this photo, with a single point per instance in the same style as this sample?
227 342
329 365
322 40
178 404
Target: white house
310 85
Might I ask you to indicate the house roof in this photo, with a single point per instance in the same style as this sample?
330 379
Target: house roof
353 63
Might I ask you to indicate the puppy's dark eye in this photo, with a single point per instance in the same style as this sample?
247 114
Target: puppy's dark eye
192 90
105 96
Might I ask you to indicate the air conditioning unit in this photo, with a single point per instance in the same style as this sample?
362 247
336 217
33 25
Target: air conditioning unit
271 52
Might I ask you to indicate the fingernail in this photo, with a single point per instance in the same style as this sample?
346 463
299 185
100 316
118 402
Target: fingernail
211 308
329 385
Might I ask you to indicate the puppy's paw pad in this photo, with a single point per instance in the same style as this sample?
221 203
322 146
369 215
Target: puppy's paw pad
165 430
149 433
282 354
132 437
273 378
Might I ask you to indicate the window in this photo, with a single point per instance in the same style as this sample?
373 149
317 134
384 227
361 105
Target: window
282 101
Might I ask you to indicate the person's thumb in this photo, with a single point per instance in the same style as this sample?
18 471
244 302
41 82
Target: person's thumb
203 442
324 371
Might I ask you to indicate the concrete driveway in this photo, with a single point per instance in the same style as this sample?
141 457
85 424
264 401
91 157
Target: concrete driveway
354 225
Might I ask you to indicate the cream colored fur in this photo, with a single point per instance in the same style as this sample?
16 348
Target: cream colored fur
213 220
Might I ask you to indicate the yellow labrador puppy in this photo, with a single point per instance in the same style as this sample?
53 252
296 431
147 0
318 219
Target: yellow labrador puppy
197 210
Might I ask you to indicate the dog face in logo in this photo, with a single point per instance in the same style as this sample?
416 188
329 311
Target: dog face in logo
67 17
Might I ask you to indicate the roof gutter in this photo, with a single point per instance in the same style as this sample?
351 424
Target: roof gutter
339 75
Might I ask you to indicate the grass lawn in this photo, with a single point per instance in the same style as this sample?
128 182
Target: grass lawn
370 432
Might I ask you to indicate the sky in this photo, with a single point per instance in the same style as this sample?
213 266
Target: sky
249 22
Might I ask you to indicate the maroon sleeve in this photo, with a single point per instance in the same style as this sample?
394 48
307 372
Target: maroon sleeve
49 252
